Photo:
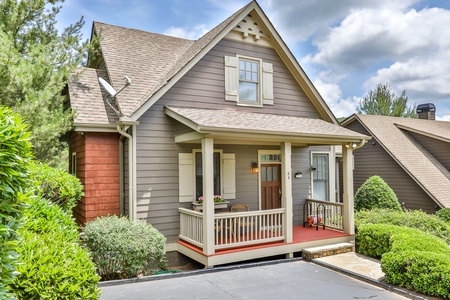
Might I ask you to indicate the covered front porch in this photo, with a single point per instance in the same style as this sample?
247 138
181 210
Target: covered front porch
218 238
239 236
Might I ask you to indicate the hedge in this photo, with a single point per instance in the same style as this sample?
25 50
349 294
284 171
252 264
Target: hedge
124 248
414 219
409 257
15 153
444 214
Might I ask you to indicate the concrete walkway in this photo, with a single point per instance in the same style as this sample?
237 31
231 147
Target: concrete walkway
288 279
352 262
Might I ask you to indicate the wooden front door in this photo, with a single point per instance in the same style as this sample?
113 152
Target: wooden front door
270 186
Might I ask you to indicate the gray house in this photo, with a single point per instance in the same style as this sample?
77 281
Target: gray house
411 155
230 117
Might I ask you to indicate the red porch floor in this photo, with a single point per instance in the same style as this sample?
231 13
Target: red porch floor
300 235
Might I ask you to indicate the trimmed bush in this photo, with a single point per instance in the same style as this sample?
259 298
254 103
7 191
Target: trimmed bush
122 248
56 185
375 193
54 265
444 214
377 239
15 152
422 271
409 257
414 219
374 239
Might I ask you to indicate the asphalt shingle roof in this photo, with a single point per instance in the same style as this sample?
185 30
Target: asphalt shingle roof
88 99
235 121
419 163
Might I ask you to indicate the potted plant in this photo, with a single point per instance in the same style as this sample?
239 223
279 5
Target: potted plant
218 202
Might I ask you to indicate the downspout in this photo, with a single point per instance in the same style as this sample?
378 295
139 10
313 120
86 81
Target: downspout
130 171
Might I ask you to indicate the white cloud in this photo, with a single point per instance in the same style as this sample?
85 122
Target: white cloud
184 33
332 95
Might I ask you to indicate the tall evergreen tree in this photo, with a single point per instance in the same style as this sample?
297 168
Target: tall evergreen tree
35 63
383 101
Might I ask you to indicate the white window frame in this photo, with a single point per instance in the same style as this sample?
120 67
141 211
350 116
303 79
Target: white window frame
259 83
265 81
73 169
331 174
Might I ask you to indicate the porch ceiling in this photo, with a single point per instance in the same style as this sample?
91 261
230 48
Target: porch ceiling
234 127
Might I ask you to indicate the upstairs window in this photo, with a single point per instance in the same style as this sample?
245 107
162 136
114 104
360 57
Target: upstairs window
248 80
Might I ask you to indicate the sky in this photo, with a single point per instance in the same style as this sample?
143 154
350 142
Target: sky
346 47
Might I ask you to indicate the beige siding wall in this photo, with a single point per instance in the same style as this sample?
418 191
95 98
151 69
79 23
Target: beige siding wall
372 160
203 87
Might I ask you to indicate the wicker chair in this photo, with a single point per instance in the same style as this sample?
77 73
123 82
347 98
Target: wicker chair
242 224
239 207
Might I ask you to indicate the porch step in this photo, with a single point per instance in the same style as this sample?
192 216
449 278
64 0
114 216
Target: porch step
328 250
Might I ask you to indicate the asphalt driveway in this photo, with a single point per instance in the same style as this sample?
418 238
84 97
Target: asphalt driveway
289 280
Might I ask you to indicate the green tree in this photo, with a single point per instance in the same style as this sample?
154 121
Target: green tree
35 63
383 101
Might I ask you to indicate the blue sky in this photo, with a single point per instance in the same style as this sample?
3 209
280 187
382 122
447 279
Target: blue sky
346 47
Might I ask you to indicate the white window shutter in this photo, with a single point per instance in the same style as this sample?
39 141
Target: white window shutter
231 78
267 82
186 177
229 176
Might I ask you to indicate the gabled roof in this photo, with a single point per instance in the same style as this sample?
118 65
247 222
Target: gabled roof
255 126
391 134
156 62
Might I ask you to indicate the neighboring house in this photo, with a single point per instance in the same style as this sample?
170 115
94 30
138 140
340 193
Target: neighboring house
411 155
230 114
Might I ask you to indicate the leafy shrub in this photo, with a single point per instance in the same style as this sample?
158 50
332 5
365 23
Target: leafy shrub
414 219
54 265
423 271
15 152
56 185
375 193
444 214
374 239
123 248
409 257
377 239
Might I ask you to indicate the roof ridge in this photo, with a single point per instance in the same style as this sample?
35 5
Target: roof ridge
142 31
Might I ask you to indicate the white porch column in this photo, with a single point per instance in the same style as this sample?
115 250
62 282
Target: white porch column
286 189
208 195
347 165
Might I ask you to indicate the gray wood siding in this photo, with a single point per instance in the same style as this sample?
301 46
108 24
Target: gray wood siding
439 149
372 160
203 87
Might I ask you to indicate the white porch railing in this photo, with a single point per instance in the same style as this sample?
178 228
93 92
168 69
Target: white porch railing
329 214
234 229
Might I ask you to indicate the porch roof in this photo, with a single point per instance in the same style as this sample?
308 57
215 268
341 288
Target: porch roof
249 126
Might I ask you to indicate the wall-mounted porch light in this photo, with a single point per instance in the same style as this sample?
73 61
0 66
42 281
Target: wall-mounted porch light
255 168
298 175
